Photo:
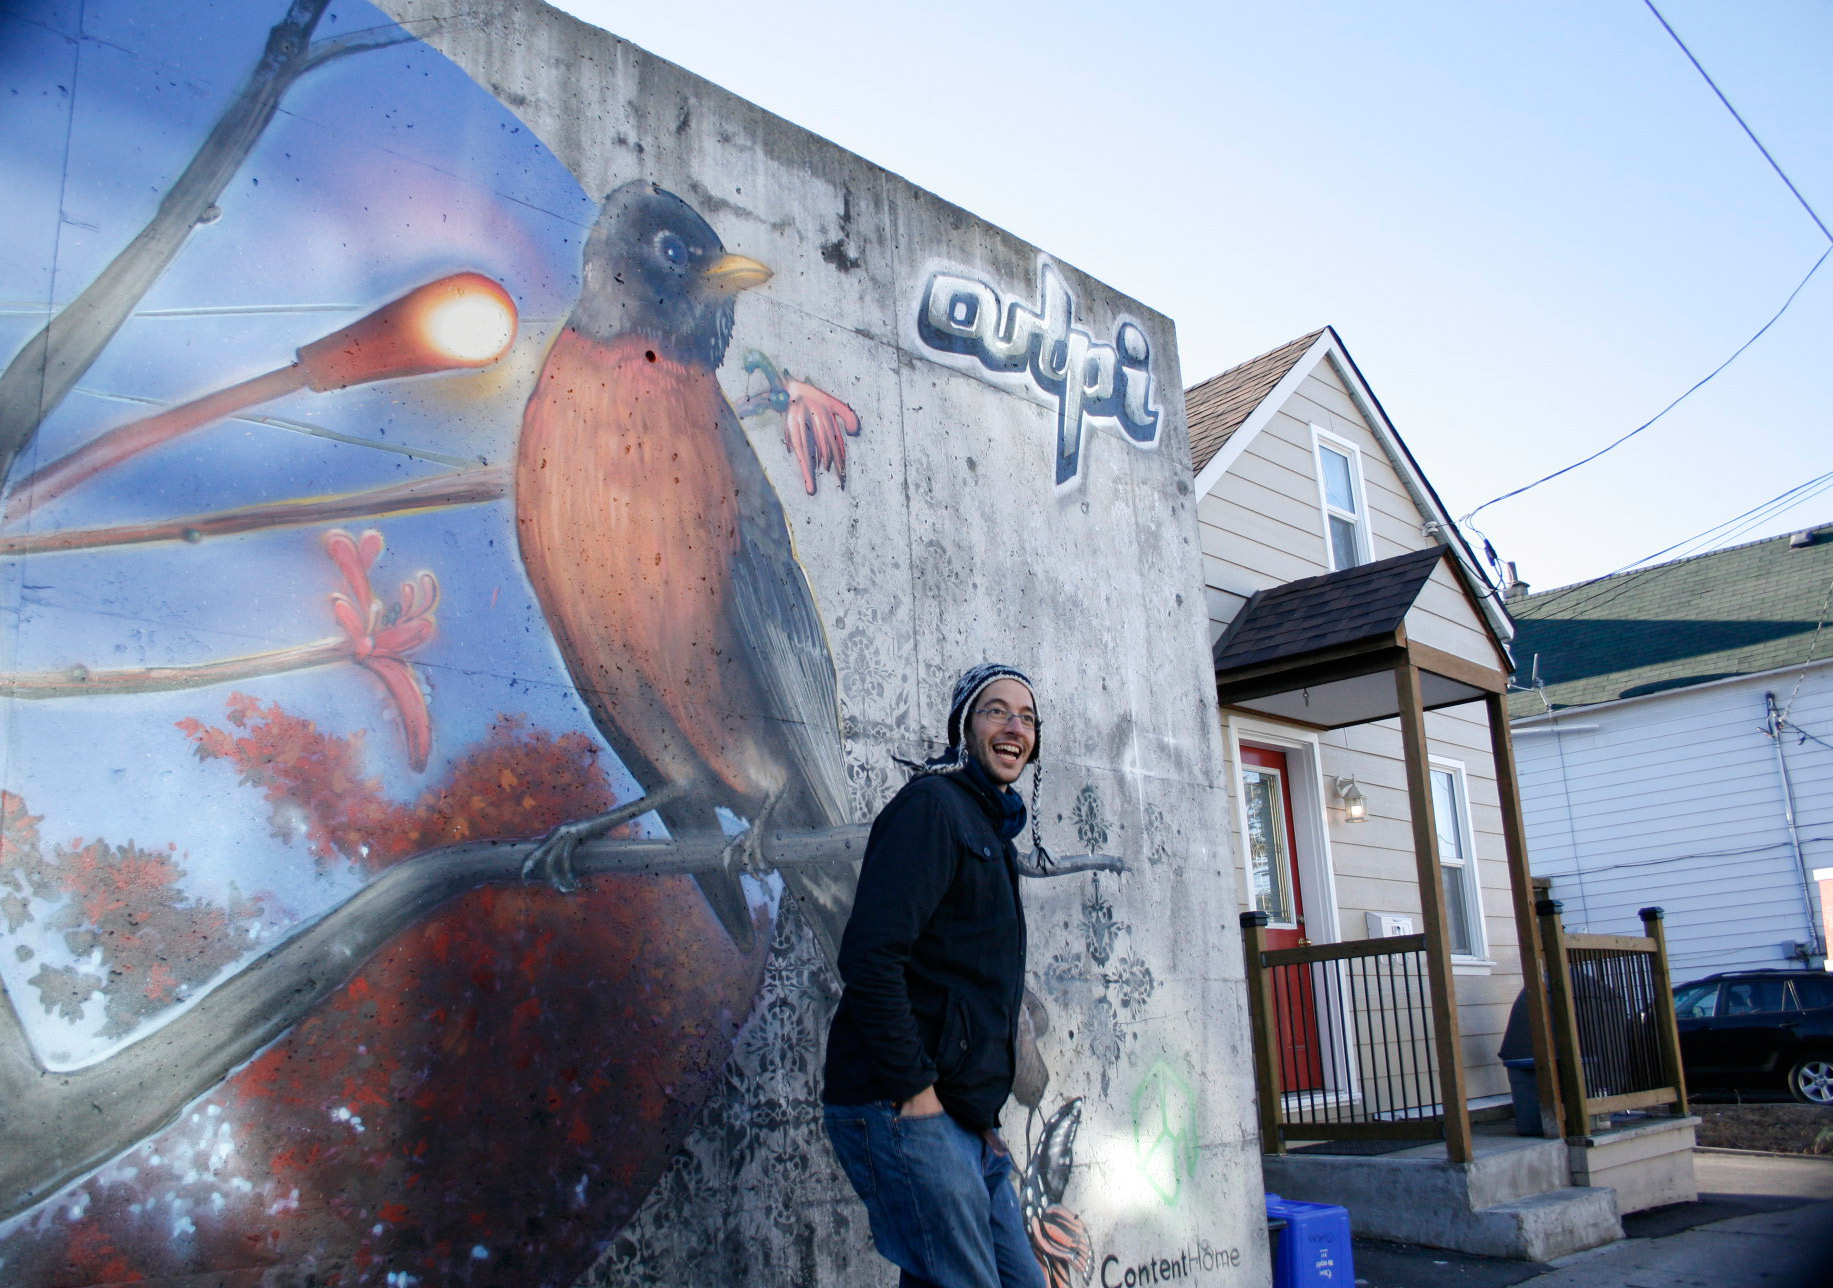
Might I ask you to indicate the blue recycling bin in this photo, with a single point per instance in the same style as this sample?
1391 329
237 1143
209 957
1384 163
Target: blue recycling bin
1314 1247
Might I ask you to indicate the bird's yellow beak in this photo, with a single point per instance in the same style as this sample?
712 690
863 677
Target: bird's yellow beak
730 274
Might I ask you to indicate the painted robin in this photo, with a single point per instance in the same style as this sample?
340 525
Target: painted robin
664 562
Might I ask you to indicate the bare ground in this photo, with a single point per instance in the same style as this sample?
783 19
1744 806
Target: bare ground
1777 1129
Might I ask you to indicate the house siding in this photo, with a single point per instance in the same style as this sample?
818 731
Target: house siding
1674 800
1443 618
1262 526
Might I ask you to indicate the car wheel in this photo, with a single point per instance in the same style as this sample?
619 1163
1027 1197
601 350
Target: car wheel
1811 1080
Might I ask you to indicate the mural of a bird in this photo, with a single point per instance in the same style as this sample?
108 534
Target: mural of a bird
663 560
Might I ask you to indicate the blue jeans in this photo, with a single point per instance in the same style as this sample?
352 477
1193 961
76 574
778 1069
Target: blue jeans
939 1196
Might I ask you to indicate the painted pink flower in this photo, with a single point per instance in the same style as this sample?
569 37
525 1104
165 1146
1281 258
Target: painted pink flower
815 429
381 637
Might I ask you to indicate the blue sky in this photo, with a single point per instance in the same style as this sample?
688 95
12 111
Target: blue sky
1533 225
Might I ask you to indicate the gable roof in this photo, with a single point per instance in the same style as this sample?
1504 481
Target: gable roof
1740 611
1216 408
1325 612
1225 412
1323 650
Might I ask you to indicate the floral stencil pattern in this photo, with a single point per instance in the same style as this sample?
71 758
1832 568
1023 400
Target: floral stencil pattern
1111 992
1090 820
1158 843
760 1139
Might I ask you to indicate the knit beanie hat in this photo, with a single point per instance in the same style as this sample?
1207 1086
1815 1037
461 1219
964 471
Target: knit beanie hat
968 688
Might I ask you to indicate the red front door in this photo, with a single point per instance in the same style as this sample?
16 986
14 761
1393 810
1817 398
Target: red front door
1273 873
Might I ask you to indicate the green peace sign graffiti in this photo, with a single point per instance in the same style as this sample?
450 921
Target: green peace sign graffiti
1165 1129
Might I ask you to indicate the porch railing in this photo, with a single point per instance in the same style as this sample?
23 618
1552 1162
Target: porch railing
1613 1019
1344 1039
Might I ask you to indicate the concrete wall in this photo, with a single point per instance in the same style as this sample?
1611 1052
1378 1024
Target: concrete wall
282 1005
1674 799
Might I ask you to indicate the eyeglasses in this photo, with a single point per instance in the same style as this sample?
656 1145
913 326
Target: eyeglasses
1002 717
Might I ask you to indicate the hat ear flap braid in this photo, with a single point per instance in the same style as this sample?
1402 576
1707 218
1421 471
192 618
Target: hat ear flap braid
1037 839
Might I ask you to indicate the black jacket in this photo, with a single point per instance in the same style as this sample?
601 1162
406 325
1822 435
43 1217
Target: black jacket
933 957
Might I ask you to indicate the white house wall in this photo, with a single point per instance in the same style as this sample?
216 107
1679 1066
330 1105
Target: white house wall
1674 800
1376 869
1443 618
1261 527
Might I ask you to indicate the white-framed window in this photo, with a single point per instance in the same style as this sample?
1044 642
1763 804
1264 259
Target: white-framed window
1457 860
1269 849
1339 485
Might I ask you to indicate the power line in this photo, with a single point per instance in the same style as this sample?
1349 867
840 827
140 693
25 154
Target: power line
1611 446
1610 591
1756 513
1717 532
1818 223
1806 662
1739 119
1740 852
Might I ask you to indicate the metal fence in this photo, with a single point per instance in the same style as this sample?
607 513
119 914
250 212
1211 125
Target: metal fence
1613 1020
1344 1039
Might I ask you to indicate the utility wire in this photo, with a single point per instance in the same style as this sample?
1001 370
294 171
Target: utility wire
1717 532
1704 854
1611 446
1818 223
1810 737
1739 119
1614 590
1806 662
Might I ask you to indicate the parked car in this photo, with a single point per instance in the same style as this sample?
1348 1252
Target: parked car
1759 1030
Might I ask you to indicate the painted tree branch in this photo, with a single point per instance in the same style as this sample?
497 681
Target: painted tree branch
321 52
124 442
43 372
1033 864
81 682
57 1126
461 487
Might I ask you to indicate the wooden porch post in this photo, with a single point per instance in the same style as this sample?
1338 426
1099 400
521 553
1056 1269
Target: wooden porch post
1666 1021
1432 911
1521 891
1266 1030
1565 1012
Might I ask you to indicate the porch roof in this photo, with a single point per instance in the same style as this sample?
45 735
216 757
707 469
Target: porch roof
1322 650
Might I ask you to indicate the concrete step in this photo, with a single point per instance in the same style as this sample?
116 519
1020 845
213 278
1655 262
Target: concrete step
1541 1227
1514 1199
1534 1166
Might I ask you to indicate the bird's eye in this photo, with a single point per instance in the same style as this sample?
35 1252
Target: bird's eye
673 249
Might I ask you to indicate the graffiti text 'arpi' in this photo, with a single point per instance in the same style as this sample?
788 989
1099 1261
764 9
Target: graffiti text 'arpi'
1089 380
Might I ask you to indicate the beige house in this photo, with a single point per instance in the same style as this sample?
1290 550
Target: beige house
1299 474
1361 668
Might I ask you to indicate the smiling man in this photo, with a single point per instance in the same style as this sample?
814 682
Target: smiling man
921 1054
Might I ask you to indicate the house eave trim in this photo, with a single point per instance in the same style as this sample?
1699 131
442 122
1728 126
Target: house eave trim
1263 413
1559 714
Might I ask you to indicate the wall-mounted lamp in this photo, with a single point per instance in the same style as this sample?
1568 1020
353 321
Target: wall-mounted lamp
1355 804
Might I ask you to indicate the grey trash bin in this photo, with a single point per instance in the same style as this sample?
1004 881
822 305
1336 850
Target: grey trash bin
1523 1086
1517 1059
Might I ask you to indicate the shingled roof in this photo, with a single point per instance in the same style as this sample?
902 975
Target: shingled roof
1216 408
1741 611
1355 604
